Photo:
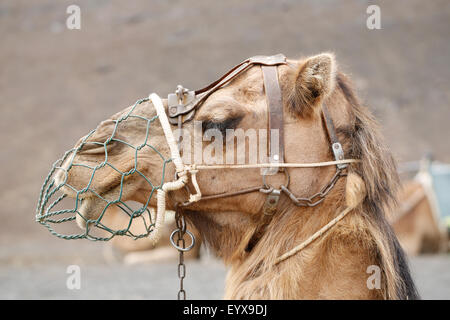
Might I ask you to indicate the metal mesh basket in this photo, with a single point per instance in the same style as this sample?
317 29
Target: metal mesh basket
55 210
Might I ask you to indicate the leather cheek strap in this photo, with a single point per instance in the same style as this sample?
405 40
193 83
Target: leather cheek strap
275 110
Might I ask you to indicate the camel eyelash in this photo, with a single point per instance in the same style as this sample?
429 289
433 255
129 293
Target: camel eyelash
222 126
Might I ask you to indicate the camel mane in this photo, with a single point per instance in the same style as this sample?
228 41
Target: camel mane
379 172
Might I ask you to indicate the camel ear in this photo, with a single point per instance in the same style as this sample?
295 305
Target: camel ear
314 81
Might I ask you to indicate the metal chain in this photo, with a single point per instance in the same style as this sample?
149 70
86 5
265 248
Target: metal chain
317 198
180 245
181 227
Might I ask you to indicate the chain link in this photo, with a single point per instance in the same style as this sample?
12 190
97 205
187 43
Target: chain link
317 198
180 245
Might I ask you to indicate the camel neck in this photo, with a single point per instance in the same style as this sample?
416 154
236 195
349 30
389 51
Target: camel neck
289 227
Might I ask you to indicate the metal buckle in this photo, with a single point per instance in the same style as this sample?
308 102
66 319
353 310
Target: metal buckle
286 182
177 102
270 206
273 195
268 60
338 154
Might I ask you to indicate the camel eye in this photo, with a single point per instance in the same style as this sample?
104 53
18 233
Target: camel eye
222 126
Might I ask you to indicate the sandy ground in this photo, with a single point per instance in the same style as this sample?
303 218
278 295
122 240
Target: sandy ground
57 84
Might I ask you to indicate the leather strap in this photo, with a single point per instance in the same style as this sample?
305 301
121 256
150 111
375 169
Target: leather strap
262 60
275 109
195 98
336 146
329 124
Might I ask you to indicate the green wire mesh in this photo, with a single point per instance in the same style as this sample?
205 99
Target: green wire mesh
51 196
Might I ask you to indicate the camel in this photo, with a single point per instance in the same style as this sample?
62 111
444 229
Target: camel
416 221
337 264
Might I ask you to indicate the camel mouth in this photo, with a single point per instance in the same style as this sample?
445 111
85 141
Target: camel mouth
92 206
64 209
86 213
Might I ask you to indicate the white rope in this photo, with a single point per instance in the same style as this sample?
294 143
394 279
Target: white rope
274 165
316 235
161 112
180 168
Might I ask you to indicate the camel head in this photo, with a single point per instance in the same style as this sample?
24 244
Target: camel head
127 157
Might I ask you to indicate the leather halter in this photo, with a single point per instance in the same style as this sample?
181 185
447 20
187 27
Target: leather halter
183 104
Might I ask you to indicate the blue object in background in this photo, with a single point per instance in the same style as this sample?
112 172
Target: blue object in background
441 185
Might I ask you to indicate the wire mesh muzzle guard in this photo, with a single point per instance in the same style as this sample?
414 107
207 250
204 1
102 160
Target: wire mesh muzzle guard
53 210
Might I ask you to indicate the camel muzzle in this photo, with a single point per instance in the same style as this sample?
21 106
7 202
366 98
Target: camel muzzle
62 206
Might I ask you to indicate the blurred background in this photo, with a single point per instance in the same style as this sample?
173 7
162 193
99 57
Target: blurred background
57 84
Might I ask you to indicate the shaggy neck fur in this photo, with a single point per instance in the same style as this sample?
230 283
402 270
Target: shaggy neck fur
319 272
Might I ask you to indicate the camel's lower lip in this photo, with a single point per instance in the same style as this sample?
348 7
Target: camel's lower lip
89 209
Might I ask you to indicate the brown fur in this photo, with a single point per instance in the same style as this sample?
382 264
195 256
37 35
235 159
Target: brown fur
314 80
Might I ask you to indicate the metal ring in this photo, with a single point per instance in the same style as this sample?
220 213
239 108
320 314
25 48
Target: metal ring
179 248
286 174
